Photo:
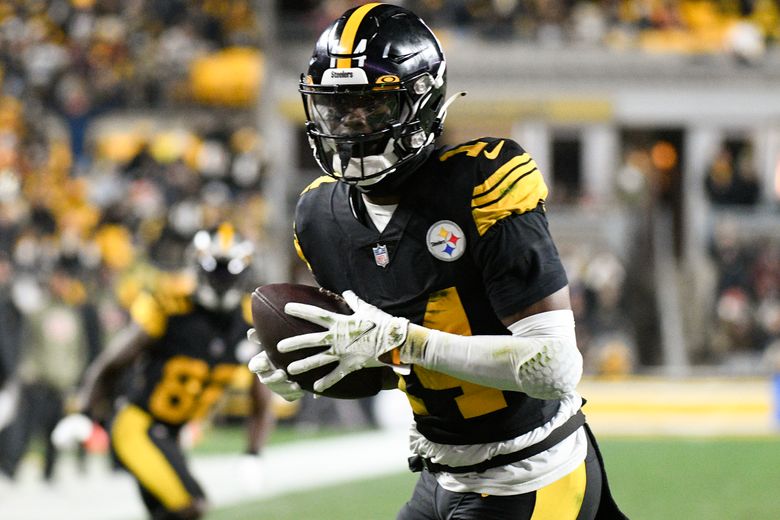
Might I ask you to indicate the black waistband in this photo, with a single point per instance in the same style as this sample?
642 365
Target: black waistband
572 424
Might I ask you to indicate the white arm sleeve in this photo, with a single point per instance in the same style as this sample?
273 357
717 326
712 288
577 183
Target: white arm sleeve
540 358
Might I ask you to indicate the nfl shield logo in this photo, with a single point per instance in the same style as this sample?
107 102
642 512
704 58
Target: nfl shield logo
380 255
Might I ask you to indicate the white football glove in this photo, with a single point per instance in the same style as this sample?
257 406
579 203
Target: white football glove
355 341
72 430
276 379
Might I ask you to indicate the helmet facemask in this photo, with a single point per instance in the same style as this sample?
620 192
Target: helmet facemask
222 263
374 96
362 133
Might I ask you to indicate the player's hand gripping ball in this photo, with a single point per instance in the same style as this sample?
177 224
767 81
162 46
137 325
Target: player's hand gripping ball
272 325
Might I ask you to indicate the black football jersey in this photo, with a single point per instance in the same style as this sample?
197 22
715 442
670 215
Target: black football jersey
185 370
467 245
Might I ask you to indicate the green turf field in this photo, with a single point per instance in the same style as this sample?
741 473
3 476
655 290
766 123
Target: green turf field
232 439
653 479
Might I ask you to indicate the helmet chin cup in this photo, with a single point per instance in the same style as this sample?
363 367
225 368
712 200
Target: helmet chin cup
365 170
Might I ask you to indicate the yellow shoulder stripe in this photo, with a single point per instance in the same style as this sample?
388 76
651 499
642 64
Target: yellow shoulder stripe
149 315
507 173
516 187
317 182
472 150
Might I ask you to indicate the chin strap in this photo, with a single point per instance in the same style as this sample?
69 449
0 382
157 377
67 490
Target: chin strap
443 110
438 125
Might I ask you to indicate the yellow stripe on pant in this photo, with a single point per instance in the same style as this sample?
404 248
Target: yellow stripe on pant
562 499
129 435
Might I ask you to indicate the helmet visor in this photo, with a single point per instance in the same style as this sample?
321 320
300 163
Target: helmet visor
350 114
354 131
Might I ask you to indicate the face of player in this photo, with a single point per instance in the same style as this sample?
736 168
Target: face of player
357 131
354 115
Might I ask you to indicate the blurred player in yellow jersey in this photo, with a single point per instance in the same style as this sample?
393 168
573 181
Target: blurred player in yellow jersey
182 348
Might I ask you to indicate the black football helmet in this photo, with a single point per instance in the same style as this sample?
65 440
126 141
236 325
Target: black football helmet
374 96
222 261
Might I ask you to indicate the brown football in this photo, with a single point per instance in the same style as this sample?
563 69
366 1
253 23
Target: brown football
273 325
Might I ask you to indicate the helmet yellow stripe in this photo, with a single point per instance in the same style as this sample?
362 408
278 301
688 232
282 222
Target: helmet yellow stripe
347 41
226 234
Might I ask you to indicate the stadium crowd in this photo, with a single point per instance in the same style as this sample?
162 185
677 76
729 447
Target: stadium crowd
689 26
747 302
90 214
746 306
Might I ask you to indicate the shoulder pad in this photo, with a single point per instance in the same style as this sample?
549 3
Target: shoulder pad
175 292
147 312
506 179
173 295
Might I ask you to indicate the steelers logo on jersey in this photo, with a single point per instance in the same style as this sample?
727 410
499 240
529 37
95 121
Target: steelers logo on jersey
446 241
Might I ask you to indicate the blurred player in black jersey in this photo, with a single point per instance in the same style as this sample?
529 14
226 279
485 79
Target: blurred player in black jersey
183 347
444 255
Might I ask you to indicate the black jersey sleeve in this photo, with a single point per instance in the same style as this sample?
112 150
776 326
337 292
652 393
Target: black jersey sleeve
312 208
520 263
517 256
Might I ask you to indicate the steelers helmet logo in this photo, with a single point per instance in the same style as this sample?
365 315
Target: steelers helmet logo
446 240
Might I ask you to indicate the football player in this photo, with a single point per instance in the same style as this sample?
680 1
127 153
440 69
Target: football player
182 348
445 257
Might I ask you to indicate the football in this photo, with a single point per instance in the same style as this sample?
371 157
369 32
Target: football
273 325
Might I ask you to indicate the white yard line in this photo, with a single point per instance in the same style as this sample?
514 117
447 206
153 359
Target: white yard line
100 494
